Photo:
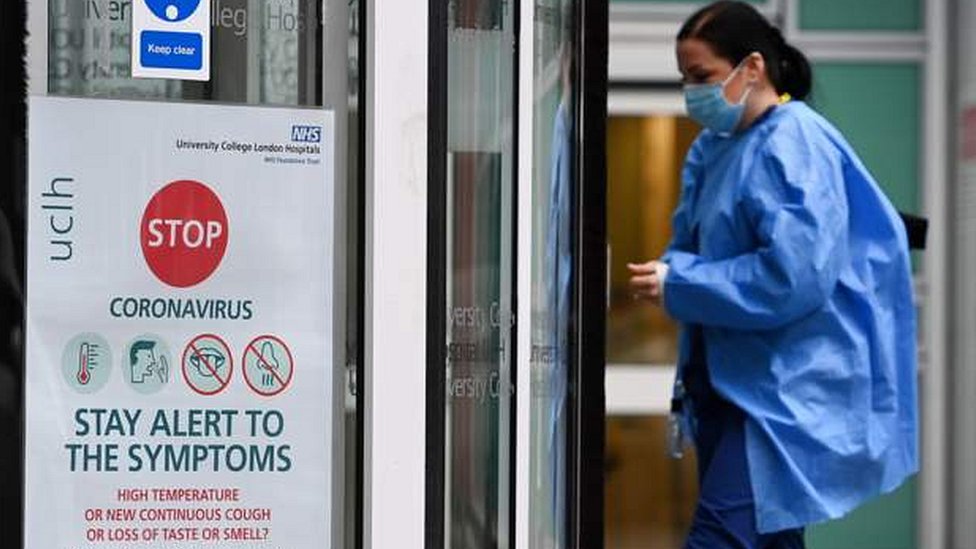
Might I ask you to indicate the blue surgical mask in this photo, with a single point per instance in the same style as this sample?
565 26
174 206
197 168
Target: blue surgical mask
707 105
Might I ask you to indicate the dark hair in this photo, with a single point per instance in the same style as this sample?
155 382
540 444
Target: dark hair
735 29
141 345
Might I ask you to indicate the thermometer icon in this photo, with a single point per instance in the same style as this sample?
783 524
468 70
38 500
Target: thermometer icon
86 353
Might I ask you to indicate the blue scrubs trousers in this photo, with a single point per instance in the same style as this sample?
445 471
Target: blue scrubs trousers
725 515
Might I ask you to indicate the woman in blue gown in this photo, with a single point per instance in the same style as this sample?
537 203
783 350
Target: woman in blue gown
790 274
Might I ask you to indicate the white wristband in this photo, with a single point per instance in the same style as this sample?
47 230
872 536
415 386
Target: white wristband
662 271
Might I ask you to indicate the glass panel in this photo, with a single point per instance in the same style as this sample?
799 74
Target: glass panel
873 15
262 52
553 214
478 479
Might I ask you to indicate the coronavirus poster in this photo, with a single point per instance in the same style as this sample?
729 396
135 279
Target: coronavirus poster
179 326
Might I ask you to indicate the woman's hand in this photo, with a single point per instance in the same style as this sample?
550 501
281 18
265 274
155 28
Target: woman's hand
647 280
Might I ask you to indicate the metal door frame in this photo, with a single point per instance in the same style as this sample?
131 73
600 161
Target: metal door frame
586 399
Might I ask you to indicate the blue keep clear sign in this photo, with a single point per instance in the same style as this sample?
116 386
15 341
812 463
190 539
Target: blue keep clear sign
171 39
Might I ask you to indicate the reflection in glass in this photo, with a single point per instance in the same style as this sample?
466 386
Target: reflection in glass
89 51
479 293
552 230
263 52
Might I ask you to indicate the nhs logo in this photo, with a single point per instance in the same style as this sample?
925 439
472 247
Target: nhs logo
306 134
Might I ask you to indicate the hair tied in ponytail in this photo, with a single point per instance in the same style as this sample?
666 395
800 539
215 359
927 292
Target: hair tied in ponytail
735 29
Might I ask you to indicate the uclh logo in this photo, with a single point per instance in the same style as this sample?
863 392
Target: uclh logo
306 134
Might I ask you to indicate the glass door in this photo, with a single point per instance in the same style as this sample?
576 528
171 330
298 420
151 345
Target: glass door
480 228
515 409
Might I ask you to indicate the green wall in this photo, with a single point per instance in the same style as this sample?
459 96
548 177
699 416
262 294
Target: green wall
842 15
878 107
887 523
870 15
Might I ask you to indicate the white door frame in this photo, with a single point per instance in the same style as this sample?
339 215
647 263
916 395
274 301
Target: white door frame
933 507
523 370
396 274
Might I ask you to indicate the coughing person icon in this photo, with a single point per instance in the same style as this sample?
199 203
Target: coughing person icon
148 364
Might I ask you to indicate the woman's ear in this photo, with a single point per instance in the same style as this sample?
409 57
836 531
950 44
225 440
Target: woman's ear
755 67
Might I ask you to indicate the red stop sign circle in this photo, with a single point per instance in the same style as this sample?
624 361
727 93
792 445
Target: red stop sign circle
184 233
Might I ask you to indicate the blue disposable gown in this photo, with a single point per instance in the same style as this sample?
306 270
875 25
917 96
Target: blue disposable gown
801 280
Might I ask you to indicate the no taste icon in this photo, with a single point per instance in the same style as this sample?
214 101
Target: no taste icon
207 364
184 233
